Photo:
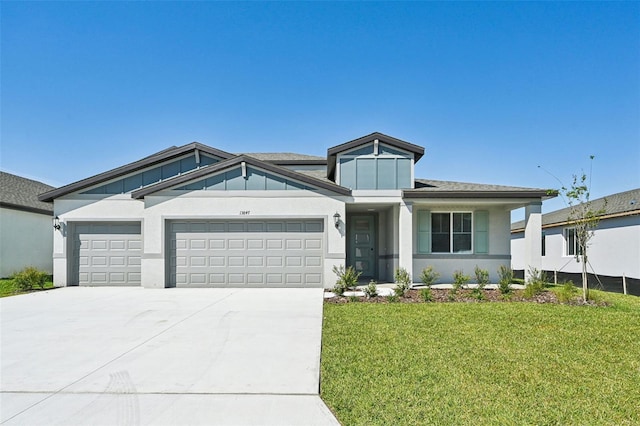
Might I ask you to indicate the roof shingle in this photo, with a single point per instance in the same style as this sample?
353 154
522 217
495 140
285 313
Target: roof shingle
22 194
627 202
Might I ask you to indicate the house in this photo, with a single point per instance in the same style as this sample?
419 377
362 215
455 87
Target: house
25 225
614 249
197 216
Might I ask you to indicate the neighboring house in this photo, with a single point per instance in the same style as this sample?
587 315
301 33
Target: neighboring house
614 249
25 225
197 216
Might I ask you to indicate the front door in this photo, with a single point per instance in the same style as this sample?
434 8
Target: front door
362 240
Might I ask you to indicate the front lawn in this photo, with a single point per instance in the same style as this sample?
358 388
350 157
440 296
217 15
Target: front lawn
7 288
482 363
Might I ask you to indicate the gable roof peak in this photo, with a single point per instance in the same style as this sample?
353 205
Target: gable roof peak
332 152
153 159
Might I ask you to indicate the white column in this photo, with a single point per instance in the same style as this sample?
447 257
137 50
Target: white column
532 237
405 237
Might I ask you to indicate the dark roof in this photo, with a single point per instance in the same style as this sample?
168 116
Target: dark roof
426 188
620 204
332 152
151 160
288 158
20 193
203 172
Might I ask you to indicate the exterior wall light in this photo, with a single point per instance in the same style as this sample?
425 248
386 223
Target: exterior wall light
336 219
56 223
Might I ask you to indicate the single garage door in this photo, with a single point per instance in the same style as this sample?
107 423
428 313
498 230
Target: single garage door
107 253
254 253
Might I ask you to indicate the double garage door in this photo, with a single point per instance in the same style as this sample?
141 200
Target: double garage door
238 253
106 253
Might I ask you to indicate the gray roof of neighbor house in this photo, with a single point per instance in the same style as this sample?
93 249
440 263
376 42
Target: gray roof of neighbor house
287 158
621 204
427 188
20 193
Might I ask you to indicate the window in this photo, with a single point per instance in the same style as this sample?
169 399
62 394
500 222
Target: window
451 233
544 244
571 247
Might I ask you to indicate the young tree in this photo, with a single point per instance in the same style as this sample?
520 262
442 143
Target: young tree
583 217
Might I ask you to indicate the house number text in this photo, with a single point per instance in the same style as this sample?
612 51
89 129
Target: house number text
245 212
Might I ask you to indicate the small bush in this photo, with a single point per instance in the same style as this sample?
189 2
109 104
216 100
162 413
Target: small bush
393 298
371 290
567 292
482 276
594 296
353 298
347 278
459 280
29 278
425 294
429 276
403 282
536 283
505 276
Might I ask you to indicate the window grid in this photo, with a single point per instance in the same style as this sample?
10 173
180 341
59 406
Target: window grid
451 232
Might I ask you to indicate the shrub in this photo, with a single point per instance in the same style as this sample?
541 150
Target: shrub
482 276
353 298
29 278
347 278
459 280
535 284
371 290
425 294
567 292
429 276
393 298
505 276
403 281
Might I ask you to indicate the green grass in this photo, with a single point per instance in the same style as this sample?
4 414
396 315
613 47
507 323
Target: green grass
8 289
482 363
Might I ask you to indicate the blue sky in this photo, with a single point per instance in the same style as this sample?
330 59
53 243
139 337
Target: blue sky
491 90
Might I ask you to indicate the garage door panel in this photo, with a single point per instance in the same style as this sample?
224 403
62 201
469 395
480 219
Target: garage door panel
255 253
217 244
274 244
236 261
276 279
198 244
236 244
106 254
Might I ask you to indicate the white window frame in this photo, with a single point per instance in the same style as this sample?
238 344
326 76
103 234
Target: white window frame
451 213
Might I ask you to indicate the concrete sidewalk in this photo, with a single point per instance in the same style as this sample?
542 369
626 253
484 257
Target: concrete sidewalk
173 356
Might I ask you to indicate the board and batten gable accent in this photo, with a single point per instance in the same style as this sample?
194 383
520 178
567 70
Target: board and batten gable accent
375 166
236 162
154 175
253 180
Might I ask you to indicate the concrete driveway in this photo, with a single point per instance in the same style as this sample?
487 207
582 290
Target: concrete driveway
134 356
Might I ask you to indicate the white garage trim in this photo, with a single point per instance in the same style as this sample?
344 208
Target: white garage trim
245 253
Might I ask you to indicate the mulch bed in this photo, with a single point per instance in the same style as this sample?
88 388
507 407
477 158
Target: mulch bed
464 296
